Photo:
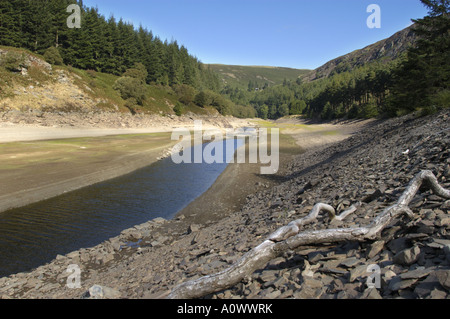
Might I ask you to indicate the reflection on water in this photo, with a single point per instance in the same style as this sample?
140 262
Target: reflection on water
33 235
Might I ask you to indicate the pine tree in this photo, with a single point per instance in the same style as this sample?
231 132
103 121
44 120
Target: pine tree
110 64
104 45
10 22
425 72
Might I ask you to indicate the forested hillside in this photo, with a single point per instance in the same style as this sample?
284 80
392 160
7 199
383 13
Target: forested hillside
409 71
104 45
115 47
254 78
360 91
382 51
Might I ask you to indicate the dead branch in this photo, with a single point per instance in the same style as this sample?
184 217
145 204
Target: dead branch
290 238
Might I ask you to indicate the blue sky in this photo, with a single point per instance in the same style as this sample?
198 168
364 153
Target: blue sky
289 33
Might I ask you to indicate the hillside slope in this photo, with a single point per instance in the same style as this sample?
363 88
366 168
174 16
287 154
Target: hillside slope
240 76
29 84
383 51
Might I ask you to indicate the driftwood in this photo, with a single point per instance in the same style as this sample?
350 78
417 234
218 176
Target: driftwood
290 238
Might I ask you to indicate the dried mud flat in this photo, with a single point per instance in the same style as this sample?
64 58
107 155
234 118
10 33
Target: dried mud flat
373 166
37 125
43 155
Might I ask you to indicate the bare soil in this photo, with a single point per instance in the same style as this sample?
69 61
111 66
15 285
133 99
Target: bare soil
43 155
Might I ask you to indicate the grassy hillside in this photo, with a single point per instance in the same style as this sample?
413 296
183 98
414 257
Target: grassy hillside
240 76
28 83
383 51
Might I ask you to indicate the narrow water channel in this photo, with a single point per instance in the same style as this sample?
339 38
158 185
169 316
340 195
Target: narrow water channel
33 235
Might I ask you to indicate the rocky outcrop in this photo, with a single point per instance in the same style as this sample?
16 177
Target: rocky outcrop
27 60
382 51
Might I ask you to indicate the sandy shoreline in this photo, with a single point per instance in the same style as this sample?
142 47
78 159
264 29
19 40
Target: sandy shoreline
40 162
112 170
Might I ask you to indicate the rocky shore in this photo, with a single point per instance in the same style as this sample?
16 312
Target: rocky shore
373 167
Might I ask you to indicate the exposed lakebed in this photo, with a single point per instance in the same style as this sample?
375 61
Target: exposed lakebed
34 235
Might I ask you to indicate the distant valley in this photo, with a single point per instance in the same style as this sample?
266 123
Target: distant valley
240 76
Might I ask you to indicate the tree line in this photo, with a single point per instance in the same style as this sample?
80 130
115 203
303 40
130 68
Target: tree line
361 92
417 80
101 44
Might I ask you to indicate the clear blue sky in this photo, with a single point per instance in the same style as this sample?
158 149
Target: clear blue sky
289 33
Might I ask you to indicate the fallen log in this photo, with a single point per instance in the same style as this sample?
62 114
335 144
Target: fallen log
290 238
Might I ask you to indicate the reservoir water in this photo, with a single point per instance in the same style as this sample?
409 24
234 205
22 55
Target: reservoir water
34 235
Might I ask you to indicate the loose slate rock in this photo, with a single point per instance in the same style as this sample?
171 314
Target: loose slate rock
443 277
375 249
397 283
417 273
408 256
350 262
424 288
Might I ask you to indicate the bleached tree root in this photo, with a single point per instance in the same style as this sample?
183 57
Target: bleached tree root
290 238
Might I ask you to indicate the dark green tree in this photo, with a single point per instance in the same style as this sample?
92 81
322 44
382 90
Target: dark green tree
103 45
53 56
425 73
201 99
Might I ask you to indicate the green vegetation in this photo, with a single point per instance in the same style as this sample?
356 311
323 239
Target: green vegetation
132 86
255 77
13 61
360 92
139 72
416 80
103 45
422 81
53 56
107 46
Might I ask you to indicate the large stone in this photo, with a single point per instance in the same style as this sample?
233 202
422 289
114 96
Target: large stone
371 195
397 283
193 228
375 249
443 277
358 272
371 293
408 256
273 295
269 275
425 287
417 273
444 222
159 220
350 262
399 244
447 252
438 294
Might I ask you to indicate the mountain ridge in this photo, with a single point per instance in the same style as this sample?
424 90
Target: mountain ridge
385 50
